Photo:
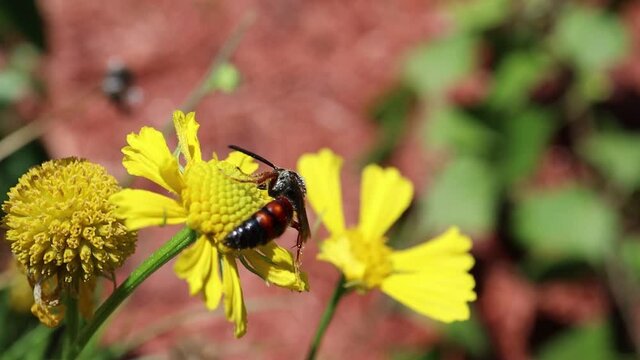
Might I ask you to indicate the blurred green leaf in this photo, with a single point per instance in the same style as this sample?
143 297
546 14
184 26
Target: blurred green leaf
526 135
566 223
390 113
451 129
590 38
31 346
593 341
13 85
630 252
432 69
479 15
465 195
616 155
516 77
226 78
471 336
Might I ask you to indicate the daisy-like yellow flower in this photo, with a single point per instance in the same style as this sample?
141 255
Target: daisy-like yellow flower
432 278
63 232
208 197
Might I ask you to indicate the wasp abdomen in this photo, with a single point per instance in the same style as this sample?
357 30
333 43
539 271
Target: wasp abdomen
265 225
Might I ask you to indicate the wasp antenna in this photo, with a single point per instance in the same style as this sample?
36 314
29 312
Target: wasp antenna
253 155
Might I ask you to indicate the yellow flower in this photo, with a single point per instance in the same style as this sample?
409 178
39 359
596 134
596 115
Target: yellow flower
209 199
63 231
431 279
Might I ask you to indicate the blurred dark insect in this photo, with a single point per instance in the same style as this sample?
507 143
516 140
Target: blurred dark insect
118 85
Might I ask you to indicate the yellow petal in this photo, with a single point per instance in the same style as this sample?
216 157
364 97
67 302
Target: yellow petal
433 278
276 265
449 251
384 196
245 163
233 303
321 172
148 156
142 208
187 132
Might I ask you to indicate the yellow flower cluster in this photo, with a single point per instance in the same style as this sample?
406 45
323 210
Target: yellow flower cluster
63 231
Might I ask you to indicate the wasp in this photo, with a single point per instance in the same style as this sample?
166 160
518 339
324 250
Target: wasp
288 191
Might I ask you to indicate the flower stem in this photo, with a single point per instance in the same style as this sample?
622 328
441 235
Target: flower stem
71 322
339 291
160 257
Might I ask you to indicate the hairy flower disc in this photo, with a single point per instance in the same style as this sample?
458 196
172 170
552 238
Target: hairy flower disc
217 201
61 223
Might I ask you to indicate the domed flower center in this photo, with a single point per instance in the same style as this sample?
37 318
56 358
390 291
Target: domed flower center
61 222
219 197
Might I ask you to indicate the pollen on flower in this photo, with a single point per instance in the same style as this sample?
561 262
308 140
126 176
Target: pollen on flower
217 201
61 224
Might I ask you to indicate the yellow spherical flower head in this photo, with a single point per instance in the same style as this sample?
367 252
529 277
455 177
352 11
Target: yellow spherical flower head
62 229
211 197
432 278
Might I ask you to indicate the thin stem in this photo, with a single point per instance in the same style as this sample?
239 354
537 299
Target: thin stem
339 291
160 257
72 320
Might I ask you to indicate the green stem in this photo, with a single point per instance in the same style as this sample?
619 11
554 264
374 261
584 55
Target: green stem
71 321
339 291
160 257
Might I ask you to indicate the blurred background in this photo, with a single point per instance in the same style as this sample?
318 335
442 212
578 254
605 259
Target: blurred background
517 120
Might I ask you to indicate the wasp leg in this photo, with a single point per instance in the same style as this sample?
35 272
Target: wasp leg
299 241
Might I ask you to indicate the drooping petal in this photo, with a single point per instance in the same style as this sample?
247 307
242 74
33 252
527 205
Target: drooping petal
199 266
194 263
433 278
148 156
384 196
187 132
321 172
142 208
234 307
245 163
276 265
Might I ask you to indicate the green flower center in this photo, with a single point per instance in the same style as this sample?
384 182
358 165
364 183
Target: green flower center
61 222
219 197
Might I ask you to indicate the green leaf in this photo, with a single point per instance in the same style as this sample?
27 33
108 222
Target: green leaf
465 195
616 155
432 69
630 253
593 341
567 223
526 135
479 15
31 346
454 130
590 38
226 78
515 78
391 114
14 84
471 336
